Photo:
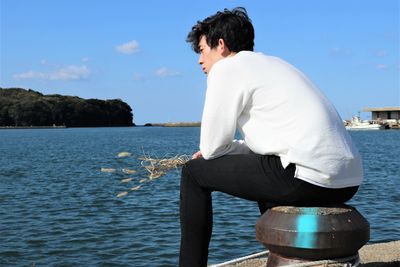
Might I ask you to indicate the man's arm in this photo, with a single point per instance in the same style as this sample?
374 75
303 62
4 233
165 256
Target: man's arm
225 100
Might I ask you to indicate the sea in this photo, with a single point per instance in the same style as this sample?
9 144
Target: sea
58 208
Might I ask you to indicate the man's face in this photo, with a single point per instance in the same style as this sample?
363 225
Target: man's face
208 56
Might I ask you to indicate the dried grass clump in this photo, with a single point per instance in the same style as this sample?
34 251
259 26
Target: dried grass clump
155 168
124 154
126 180
108 170
135 188
122 194
158 167
128 171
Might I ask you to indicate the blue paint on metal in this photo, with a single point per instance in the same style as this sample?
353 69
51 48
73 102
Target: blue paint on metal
306 228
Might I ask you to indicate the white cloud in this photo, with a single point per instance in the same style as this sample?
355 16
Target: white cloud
164 72
138 77
381 53
340 51
27 75
128 48
85 59
71 72
381 66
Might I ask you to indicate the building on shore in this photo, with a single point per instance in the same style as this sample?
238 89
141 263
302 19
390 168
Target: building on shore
385 115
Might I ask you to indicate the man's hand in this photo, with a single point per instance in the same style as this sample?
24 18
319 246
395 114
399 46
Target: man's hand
197 155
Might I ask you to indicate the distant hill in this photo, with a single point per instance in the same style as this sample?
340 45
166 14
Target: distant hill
20 107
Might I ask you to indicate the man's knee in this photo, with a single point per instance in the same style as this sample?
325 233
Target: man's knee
187 167
189 170
193 165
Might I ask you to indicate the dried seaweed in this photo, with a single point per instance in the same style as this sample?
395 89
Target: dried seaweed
155 168
159 167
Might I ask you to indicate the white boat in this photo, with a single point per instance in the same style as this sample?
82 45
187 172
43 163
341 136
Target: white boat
357 124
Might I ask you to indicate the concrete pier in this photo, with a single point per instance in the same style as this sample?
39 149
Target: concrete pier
374 255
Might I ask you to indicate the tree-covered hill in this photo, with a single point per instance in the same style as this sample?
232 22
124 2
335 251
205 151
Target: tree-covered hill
20 107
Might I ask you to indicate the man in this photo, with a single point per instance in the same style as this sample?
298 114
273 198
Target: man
295 149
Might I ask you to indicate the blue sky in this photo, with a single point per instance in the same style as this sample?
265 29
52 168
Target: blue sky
136 50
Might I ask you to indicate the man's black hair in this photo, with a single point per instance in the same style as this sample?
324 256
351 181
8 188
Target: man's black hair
234 27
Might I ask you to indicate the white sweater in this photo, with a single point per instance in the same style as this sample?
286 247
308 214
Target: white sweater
278 111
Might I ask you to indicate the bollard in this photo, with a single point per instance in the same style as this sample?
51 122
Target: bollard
305 234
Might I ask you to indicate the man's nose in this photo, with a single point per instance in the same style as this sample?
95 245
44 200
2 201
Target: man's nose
201 60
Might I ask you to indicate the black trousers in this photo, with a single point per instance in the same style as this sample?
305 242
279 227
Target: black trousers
254 177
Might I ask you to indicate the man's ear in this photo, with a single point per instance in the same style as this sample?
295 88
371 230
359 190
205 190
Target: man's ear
222 48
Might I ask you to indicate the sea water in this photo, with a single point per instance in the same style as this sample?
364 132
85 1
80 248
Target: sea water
57 208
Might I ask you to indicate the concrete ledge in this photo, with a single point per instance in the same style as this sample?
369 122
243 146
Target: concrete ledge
381 254
375 255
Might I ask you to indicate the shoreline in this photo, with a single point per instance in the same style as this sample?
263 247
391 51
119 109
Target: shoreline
173 124
33 127
161 124
56 127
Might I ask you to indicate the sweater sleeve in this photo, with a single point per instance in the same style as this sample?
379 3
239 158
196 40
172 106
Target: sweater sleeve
225 100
